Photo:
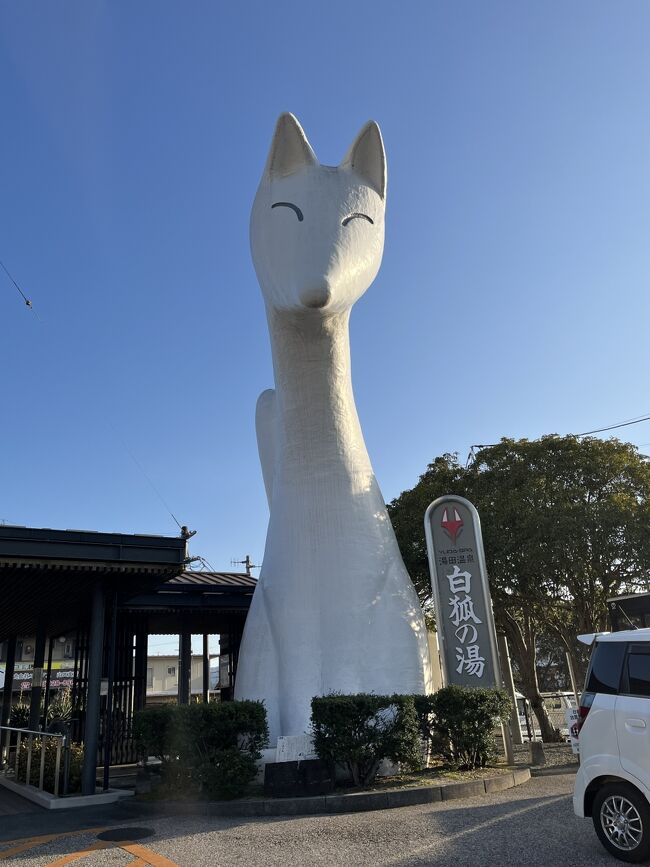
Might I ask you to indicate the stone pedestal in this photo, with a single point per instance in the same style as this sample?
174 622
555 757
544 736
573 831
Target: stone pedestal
537 754
297 779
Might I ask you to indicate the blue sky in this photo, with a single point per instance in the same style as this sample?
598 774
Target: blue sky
513 298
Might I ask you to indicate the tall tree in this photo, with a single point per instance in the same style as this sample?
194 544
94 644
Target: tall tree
566 524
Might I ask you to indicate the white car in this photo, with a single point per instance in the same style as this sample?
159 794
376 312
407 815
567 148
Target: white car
613 782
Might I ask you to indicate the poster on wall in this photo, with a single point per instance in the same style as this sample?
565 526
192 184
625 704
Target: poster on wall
61 676
461 594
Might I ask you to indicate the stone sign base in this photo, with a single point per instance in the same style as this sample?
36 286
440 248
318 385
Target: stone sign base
297 779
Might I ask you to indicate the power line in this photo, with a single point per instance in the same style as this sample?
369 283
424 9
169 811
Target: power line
614 426
144 473
184 530
28 303
636 420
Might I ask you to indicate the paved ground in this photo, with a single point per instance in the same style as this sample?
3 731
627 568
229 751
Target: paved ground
10 804
530 825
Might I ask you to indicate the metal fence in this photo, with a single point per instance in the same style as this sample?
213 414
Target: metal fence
26 754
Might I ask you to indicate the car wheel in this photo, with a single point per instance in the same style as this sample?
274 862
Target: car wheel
621 817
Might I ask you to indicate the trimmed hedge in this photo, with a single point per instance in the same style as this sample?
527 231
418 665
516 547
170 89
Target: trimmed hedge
152 731
457 723
359 731
211 749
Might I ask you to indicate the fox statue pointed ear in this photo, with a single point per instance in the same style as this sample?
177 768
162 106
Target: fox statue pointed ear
368 158
290 150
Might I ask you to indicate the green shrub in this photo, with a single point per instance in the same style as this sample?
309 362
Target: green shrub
424 709
60 708
208 748
19 717
221 743
74 770
226 774
461 722
359 731
152 730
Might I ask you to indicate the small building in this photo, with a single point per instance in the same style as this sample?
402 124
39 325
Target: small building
629 610
163 677
87 602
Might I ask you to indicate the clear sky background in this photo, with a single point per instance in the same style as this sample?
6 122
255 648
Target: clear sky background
513 299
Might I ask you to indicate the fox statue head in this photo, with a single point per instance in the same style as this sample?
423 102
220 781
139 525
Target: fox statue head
317 232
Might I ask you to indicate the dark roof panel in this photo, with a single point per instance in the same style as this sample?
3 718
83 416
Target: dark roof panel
215 579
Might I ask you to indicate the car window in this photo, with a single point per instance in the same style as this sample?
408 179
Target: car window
638 674
606 666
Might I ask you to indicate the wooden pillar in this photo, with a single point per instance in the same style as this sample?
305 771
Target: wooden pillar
141 641
108 734
5 714
206 670
48 677
185 668
37 678
93 700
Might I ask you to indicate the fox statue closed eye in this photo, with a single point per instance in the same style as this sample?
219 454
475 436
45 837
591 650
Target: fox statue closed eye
334 609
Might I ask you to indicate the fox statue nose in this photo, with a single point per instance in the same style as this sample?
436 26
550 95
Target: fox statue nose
316 297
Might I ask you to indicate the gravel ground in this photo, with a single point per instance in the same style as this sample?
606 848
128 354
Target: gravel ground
530 825
556 754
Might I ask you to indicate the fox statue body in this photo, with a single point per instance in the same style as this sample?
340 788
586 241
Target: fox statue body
334 609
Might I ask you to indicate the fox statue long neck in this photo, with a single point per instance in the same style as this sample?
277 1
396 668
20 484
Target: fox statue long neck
317 416
334 609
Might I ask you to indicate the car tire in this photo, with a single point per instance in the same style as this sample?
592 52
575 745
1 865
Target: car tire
621 817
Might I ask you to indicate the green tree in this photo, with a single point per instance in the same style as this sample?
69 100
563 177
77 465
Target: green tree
566 524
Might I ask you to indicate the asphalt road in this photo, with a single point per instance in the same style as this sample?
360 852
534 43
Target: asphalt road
532 824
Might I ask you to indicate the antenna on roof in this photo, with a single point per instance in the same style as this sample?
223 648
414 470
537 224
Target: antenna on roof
247 563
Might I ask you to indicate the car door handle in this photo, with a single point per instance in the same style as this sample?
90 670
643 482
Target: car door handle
635 723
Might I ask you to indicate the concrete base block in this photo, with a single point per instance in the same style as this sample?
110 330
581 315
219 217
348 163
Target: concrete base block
307 778
471 789
71 802
499 784
536 752
521 775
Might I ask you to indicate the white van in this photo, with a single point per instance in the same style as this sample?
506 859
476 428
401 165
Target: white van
613 782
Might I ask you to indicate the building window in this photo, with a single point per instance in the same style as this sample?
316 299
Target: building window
171 670
150 678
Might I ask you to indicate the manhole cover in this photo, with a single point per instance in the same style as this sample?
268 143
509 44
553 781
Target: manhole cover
120 835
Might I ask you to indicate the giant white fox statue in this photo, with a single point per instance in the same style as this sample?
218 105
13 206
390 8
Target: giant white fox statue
334 609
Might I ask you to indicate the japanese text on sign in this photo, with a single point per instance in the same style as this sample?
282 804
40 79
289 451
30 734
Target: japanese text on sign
468 653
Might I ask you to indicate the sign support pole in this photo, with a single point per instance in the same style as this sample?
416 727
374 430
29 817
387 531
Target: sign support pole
506 671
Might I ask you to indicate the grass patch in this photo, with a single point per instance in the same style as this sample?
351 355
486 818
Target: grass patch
436 776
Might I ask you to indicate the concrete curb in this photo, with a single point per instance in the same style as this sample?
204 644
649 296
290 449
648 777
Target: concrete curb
352 803
70 802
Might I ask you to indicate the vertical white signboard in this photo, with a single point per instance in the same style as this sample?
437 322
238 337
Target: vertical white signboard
461 594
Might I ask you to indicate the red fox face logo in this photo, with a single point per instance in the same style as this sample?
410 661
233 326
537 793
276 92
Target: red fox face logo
452 527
